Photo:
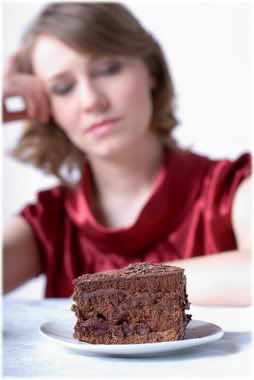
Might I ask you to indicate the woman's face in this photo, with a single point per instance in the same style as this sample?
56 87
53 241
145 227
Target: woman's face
103 105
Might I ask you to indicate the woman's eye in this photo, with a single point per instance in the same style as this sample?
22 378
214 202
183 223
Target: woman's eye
109 69
61 89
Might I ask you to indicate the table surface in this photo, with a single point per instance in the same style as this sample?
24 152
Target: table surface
27 353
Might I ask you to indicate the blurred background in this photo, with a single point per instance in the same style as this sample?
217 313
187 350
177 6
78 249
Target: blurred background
208 48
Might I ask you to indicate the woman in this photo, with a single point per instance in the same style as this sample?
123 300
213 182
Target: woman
100 104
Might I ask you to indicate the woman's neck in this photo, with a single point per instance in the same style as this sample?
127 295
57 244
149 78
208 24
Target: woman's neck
130 171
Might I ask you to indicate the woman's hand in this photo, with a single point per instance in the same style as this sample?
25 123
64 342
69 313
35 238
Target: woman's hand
28 87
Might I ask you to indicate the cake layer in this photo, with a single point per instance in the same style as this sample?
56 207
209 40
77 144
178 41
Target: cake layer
155 317
113 297
102 332
134 277
130 306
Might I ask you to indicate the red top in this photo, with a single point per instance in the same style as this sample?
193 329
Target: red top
187 214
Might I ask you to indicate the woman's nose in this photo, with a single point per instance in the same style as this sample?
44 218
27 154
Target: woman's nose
91 97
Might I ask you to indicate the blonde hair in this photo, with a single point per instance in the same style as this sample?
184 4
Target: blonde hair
98 29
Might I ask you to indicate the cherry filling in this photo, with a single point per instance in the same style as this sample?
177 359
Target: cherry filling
99 325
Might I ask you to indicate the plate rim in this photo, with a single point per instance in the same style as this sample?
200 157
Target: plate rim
128 348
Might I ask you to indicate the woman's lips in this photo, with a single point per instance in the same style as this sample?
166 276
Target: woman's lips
103 126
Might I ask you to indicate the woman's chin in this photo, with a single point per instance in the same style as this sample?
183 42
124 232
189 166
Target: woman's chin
112 148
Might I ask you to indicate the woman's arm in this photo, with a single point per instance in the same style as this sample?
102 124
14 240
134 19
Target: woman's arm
225 278
241 215
21 259
219 279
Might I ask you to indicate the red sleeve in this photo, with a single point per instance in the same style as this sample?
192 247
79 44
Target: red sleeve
46 218
220 187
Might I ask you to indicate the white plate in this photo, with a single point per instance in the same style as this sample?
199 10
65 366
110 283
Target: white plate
197 333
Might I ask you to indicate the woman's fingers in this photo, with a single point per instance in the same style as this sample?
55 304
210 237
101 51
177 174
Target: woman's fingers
11 63
43 104
14 116
37 103
31 90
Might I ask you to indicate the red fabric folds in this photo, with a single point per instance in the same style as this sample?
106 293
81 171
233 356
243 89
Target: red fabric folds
187 214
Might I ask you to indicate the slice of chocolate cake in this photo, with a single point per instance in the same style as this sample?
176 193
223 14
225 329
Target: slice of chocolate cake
141 303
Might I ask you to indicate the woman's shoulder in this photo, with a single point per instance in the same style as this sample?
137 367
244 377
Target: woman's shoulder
50 201
188 159
58 192
191 170
186 165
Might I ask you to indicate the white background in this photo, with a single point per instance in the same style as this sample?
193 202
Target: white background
208 47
